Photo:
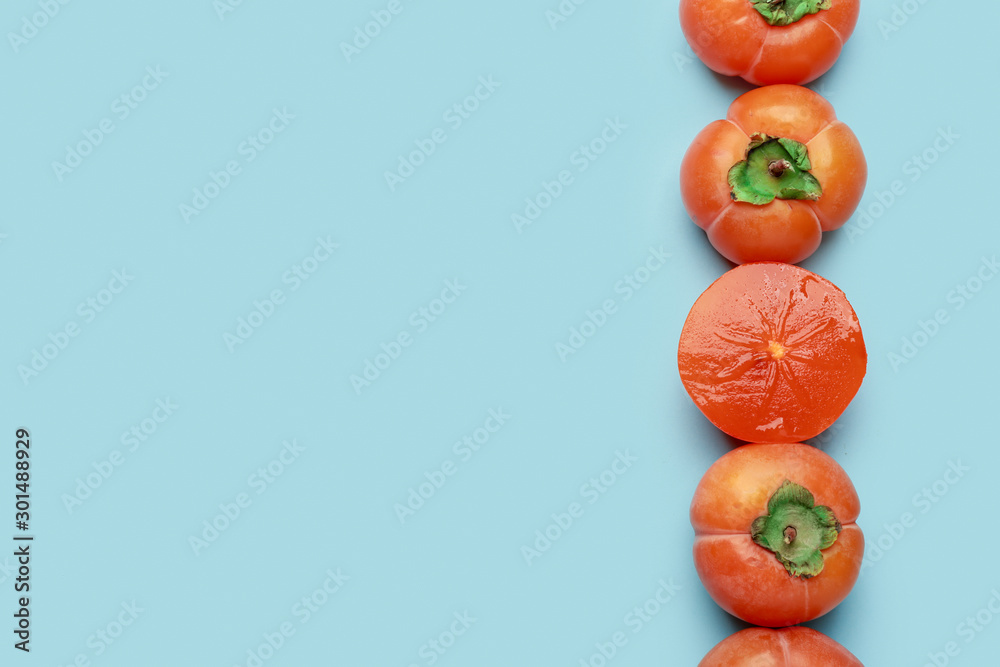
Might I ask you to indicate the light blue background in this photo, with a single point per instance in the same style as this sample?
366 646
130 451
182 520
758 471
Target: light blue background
494 347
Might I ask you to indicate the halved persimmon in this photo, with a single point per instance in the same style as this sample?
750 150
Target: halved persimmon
782 647
771 352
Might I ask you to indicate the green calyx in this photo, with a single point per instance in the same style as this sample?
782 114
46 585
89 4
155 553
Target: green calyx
786 12
795 530
774 168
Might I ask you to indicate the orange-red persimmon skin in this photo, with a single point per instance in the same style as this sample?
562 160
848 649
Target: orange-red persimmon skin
782 230
746 579
771 352
732 38
782 647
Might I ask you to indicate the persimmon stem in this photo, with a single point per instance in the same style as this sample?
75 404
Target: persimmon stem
775 167
786 12
796 530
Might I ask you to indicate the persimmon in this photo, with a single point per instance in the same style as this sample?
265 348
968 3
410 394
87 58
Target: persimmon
781 647
769 41
776 542
771 352
769 179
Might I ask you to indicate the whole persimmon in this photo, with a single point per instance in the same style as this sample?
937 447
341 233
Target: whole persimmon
769 179
769 41
776 543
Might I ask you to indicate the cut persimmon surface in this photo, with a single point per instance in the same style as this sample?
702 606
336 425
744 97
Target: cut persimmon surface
783 647
772 352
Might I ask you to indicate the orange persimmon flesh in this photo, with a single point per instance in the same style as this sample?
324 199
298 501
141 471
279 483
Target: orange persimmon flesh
783 647
772 352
